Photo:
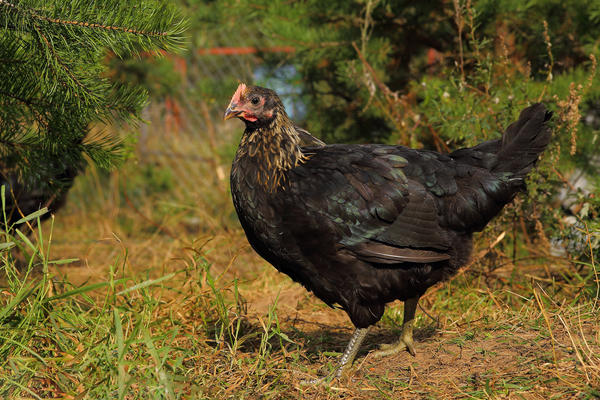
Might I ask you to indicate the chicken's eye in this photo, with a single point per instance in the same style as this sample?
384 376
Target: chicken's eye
254 100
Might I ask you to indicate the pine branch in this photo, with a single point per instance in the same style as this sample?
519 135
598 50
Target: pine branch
35 15
59 85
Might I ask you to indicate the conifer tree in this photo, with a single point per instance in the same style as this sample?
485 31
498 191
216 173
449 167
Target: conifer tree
55 86
444 75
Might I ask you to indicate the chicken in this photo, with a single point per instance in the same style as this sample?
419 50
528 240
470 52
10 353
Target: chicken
24 198
306 139
363 225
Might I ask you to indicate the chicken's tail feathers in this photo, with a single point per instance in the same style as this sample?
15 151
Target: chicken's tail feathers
524 141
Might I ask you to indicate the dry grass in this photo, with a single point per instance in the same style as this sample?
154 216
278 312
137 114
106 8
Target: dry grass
167 300
199 315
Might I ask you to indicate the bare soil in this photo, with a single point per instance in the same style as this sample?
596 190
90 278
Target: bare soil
458 356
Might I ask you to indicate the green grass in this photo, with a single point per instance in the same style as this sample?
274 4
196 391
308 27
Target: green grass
189 325
126 337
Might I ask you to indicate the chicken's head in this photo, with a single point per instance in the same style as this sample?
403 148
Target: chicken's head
254 105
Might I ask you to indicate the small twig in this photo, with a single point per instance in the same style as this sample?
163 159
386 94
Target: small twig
590 353
545 315
524 231
392 110
436 320
386 90
549 50
514 237
562 178
592 261
575 348
458 18
78 23
437 138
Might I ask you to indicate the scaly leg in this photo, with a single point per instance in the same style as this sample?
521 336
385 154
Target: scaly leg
345 360
406 338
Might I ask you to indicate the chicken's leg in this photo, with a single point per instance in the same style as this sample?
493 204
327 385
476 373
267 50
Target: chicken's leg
346 359
406 338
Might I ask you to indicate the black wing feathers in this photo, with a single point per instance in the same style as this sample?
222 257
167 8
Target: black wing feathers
383 254
393 205
373 209
417 226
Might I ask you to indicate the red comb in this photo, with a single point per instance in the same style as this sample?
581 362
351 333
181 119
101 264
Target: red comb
237 96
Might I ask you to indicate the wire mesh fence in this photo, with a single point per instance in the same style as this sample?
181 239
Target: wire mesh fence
185 132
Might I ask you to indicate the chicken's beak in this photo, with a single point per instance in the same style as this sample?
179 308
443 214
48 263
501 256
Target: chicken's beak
231 112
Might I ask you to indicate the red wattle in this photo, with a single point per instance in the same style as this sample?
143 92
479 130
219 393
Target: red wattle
249 117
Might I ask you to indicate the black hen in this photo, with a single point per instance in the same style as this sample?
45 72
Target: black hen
364 225
24 198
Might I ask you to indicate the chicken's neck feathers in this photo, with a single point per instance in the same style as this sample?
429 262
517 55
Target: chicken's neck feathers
268 152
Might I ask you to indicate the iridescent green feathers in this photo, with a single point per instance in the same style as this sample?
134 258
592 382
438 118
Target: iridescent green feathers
363 225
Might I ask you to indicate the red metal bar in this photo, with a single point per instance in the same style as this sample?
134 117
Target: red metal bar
231 51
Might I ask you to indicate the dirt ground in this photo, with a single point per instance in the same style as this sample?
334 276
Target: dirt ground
457 357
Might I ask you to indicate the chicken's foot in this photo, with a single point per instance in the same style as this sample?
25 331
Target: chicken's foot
406 338
345 360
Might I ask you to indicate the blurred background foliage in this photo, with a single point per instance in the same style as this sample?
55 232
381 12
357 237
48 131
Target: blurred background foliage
154 196
57 96
439 75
